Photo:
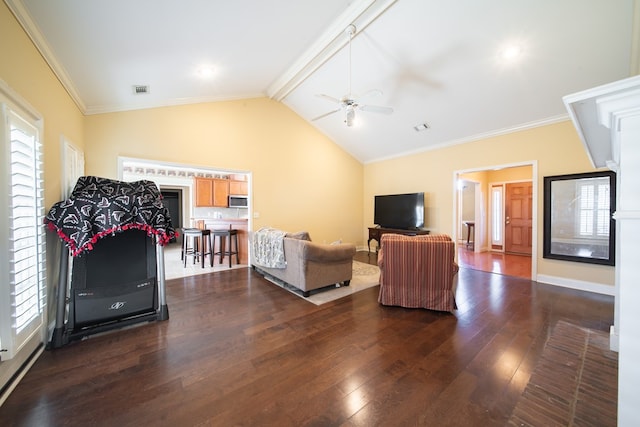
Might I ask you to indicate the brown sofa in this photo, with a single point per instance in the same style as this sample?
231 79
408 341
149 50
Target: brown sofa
417 271
310 265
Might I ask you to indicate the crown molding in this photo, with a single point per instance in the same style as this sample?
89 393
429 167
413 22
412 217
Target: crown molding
104 109
477 137
28 24
360 13
596 114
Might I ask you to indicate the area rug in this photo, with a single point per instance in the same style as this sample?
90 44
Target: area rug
364 276
574 383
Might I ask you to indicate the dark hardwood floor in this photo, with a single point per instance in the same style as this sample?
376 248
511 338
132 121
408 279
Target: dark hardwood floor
495 262
238 350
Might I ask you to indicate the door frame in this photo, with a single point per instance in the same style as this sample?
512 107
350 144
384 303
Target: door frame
534 205
477 215
490 219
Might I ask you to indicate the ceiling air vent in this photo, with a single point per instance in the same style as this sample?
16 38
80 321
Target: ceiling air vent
421 127
140 89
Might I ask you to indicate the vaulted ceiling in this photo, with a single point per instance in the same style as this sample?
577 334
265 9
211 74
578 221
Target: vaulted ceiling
452 71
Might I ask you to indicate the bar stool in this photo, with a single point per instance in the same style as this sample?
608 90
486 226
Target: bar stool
226 235
470 228
196 243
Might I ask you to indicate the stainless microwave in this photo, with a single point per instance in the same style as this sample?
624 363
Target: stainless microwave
238 202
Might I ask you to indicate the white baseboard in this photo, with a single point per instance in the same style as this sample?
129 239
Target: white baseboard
580 285
614 339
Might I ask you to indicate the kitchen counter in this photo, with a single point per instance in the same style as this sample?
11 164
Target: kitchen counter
240 224
212 220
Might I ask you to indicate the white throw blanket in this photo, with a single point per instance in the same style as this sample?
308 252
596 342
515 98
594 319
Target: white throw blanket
268 248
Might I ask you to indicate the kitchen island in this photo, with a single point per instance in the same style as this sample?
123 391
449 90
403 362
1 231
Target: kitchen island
240 224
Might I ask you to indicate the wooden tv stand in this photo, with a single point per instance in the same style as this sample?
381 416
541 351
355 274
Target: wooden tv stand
375 233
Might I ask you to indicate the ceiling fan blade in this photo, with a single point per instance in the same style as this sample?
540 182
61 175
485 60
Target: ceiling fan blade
325 115
376 109
328 98
369 94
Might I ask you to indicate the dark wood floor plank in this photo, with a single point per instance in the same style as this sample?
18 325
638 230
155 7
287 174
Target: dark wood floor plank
239 350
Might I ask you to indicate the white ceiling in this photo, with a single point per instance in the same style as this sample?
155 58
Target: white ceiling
436 62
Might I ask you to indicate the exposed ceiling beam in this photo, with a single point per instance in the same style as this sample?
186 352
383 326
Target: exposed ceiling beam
360 13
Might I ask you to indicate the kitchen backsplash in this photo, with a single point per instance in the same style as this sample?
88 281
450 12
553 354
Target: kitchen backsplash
221 213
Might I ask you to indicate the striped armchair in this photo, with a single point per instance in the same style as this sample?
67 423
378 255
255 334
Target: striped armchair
417 271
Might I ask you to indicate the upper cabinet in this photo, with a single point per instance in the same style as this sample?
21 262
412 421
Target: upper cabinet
238 188
212 192
221 193
204 192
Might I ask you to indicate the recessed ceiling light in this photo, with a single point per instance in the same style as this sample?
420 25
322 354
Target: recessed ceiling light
511 52
205 71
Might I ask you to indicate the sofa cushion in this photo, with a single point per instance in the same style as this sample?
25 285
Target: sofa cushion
300 235
321 252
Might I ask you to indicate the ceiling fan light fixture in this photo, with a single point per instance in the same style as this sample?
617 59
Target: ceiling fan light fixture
348 103
349 116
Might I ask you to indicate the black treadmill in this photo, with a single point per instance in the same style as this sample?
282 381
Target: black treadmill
113 234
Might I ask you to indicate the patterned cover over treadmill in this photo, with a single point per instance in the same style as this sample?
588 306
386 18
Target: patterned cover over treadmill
99 207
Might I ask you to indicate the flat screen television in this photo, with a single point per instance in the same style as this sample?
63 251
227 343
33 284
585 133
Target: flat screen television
402 211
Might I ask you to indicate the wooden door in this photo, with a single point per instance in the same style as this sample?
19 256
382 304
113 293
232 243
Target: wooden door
518 223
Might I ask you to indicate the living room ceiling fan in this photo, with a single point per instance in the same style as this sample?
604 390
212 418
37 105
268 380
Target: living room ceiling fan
349 103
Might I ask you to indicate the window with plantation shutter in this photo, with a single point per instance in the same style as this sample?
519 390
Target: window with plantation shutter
594 213
26 256
22 242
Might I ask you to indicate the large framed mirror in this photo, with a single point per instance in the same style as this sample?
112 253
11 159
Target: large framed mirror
578 217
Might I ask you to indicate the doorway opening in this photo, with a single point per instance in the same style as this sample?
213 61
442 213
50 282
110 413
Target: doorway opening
177 186
172 199
495 218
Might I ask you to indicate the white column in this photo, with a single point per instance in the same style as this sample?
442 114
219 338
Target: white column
628 269
620 112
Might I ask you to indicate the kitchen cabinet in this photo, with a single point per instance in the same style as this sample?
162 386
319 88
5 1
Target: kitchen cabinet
211 192
238 188
204 192
221 193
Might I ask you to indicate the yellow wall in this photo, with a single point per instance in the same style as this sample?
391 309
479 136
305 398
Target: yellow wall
301 179
520 173
25 71
556 148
